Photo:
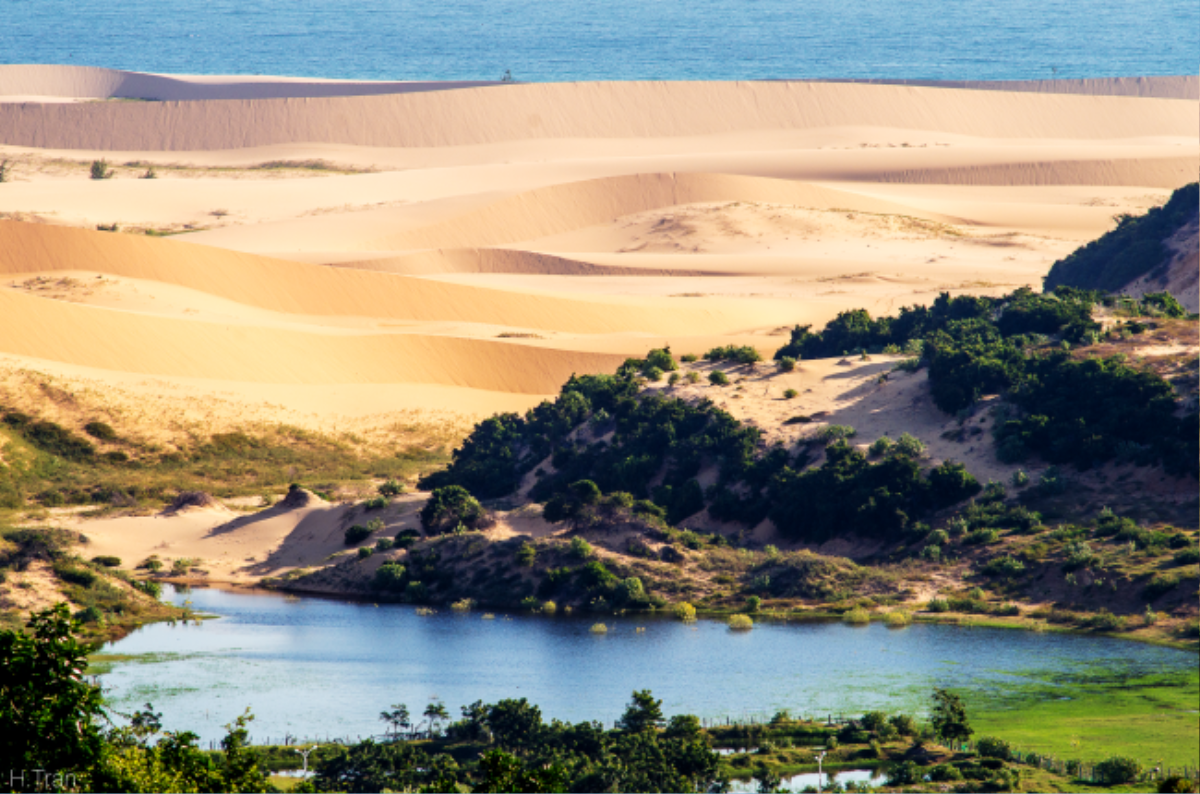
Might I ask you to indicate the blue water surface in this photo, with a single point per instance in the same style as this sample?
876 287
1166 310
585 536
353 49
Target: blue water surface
316 667
557 40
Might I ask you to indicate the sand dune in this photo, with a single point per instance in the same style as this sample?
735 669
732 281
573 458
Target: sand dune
298 289
359 248
586 110
562 208
89 82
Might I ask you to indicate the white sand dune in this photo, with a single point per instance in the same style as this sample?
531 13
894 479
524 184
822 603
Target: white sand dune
358 248
42 82
585 110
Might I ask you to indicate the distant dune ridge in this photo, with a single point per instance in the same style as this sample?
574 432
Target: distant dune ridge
349 246
582 110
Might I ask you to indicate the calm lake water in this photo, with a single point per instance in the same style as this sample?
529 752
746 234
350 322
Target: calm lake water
316 668
554 40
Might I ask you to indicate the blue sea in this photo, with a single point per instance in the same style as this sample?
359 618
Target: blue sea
557 40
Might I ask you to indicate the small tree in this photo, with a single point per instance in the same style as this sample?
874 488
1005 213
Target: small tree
642 714
398 718
436 713
949 718
1117 770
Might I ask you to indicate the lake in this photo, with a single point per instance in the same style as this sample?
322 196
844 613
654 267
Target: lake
555 40
318 668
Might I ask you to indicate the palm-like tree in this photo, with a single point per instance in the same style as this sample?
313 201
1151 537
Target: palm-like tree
398 718
435 712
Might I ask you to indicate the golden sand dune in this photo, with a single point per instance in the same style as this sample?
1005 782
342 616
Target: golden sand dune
129 342
586 110
357 248
299 289
563 208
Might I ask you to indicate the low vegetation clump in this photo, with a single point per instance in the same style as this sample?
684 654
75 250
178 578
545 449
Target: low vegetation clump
857 616
741 622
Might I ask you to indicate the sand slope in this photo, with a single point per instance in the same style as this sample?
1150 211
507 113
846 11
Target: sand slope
585 110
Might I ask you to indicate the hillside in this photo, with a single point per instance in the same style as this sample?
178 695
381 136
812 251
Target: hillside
632 493
1157 251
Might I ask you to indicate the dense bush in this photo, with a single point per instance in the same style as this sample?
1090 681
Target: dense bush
1135 248
991 747
448 507
1117 770
356 534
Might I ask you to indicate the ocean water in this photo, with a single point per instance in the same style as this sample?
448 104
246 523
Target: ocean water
561 40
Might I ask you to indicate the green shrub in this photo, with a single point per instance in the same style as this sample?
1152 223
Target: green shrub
1186 556
74 575
526 554
100 430
991 747
856 616
449 506
653 373
416 593
391 488
688 358
100 170
356 534
90 614
942 773
107 561
718 378
937 605
1117 771
981 537
390 576
685 612
832 433
1159 585
384 544
787 364
364 552
1005 566
150 588
790 394
880 446
910 446
581 548
376 503
741 623
741 355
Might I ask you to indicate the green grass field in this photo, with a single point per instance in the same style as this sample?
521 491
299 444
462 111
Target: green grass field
1152 719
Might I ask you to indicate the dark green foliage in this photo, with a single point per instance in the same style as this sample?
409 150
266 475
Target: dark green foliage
51 715
391 488
448 507
1159 585
107 561
718 378
1186 556
949 717
849 494
369 767
904 773
643 713
1123 404
738 355
356 534
1135 248
100 170
1117 770
100 430
376 503
56 440
991 747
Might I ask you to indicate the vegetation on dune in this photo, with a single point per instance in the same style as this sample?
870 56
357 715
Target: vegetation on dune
106 600
50 464
1134 249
